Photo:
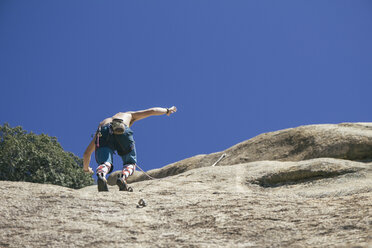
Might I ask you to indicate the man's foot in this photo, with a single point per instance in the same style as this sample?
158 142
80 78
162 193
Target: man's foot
123 186
102 183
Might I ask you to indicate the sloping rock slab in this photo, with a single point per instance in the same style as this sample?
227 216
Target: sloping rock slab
350 141
206 207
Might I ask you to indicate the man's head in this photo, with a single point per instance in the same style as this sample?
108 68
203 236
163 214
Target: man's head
118 126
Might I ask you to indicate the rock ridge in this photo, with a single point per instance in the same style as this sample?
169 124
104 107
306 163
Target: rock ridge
349 141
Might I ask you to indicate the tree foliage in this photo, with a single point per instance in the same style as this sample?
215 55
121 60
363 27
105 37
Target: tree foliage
38 158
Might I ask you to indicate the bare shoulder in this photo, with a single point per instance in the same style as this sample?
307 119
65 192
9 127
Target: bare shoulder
122 115
125 116
105 121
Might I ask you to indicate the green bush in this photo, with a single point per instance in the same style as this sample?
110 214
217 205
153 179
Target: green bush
38 158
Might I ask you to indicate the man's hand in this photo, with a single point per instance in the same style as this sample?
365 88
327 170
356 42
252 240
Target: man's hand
89 170
171 110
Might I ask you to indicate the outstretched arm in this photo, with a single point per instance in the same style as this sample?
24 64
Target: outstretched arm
139 115
86 157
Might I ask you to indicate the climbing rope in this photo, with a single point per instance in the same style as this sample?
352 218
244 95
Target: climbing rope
153 178
142 203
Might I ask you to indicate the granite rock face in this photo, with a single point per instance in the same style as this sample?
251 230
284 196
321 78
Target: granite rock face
349 141
307 198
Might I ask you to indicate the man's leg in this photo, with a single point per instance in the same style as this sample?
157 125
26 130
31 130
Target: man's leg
128 170
122 179
104 157
103 169
129 161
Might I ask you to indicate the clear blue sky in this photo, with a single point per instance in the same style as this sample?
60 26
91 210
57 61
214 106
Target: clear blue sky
234 69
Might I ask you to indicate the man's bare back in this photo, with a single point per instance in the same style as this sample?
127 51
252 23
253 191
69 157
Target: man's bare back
126 117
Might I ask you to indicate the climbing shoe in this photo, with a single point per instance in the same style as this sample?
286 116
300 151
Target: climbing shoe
102 183
123 186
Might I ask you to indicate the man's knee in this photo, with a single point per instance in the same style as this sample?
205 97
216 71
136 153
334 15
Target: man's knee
104 168
128 170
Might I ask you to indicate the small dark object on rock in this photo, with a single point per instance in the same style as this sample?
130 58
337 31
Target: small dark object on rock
141 203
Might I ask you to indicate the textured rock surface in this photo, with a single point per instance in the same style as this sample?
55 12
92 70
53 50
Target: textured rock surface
351 141
297 187
315 203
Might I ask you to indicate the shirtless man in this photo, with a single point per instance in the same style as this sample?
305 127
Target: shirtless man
114 134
